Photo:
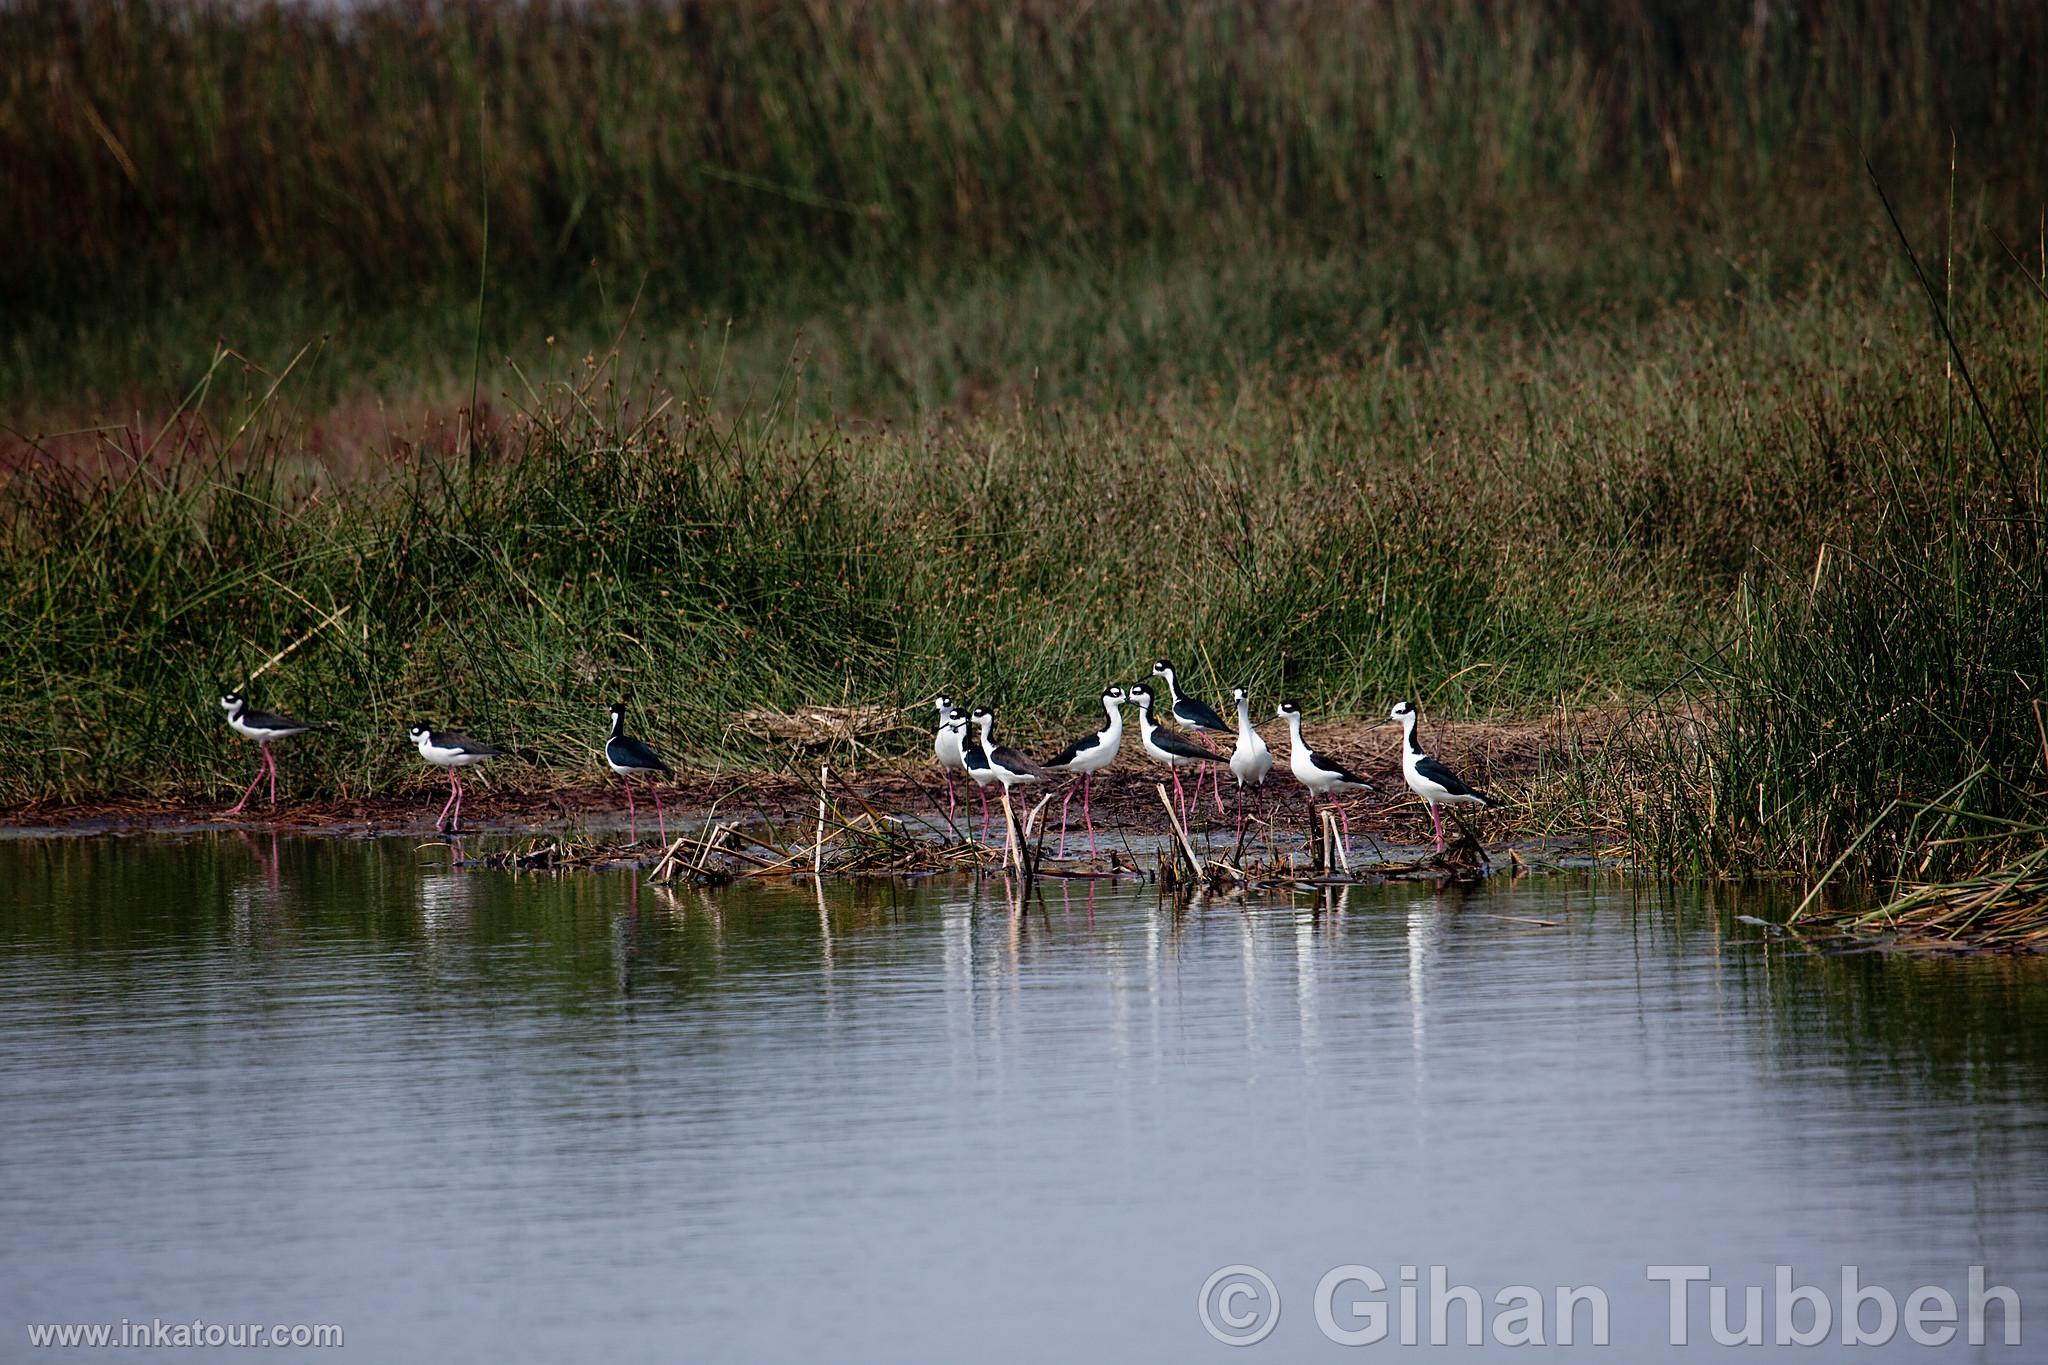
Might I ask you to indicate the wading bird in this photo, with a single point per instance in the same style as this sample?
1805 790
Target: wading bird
1195 715
1251 760
266 728
629 758
946 748
1321 776
1162 744
1006 765
1017 768
446 749
974 757
1087 757
1429 779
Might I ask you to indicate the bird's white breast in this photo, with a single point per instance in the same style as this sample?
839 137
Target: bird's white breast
446 757
1252 760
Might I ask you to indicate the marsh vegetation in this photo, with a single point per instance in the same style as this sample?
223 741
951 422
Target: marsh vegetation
1524 359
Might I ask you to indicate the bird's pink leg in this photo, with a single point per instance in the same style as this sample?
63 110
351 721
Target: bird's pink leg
1437 821
1065 806
442 819
270 762
1344 818
1180 796
1240 812
236 809
949 796
660 818
984 811
1087 782
632 817
1215 787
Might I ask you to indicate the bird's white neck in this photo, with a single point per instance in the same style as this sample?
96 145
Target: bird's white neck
1244 717
988 725
1115 711
1172 685
1408 733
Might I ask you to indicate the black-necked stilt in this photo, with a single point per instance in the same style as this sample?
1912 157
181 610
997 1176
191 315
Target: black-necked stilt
946 748
1086 757
974 757
629 758
1251 760
446 749
266 728
1195 715
1162 744
1320 775
1006 765
1429 779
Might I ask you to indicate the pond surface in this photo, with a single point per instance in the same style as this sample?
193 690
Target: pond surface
478 1116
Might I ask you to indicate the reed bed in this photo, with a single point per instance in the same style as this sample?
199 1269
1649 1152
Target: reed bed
1565 527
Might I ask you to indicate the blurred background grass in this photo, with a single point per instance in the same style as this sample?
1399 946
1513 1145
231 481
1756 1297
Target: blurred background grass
933 201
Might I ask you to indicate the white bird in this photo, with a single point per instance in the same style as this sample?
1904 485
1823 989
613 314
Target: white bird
1005 765
1087 757
1163 745
630 758
1196 715
266 728
1323 777
1251 760
446 749
1429 779
946 748
974 757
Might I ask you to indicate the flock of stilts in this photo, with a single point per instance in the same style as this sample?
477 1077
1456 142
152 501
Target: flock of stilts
623 754
966 744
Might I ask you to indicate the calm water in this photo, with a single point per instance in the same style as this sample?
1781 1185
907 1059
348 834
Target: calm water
479 1117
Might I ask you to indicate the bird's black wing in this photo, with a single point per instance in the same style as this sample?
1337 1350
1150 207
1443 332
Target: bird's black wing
272 720
445 739
1016 761
1334 769
1436 772
1200 715
1183 748
628 752
1086 744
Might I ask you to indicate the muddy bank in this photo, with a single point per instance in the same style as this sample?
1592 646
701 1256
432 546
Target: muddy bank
508 798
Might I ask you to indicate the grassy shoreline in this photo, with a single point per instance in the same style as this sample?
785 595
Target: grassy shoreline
1520 360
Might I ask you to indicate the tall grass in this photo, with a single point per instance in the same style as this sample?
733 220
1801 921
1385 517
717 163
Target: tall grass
1490 525
731 143
175 172
1879 706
